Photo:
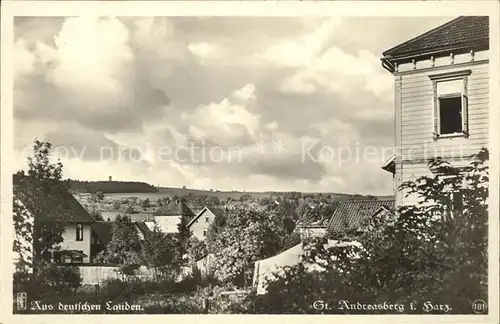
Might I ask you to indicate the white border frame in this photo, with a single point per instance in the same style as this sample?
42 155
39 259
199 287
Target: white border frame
9 9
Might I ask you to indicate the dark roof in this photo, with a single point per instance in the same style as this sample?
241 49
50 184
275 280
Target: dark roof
59 205
73 253
104 231
390 165
175 208
459 32
219 212
350 214
143 227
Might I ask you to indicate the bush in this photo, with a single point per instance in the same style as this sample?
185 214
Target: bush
52 278
190 283
114 289
438 247
49 279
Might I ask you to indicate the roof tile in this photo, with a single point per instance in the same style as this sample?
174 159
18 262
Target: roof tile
461 31
350 214
59 204
175 208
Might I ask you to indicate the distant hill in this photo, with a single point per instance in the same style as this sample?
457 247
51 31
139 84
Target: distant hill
111 186
142 187
223 195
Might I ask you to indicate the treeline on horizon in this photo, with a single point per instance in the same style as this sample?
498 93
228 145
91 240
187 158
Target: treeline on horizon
111 186
143 187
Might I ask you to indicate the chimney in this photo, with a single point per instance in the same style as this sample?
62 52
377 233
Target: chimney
110 178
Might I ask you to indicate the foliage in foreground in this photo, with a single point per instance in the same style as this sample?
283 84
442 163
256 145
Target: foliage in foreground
434 251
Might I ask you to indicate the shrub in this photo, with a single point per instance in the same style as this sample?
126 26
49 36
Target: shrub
55 278
117 289
190 283
438 247
114 288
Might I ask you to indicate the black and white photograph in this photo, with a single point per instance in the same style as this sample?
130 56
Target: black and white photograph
303 164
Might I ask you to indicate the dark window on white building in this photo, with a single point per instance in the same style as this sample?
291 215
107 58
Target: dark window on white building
79 232
450 104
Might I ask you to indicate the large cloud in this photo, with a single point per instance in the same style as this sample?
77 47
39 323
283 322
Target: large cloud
257 91
89 76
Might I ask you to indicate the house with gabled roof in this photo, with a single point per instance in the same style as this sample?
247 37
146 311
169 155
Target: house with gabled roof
441 97
169 216
350 215
60 207
200 224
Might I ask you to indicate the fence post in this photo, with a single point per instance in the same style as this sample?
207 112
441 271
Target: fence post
205 305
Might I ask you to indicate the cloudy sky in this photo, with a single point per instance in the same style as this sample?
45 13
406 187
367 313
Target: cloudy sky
227 103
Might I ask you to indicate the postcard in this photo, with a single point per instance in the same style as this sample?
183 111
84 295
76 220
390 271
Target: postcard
321 160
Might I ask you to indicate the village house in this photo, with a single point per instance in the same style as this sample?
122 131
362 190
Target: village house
169 216
312 229
200 224
60 207
441 98
349 216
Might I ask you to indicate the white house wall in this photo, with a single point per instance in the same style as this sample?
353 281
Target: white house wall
69 239
201 224
70 242
168 224
414 115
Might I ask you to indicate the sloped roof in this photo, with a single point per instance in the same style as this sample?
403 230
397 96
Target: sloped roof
143 227
459 32
390 165
350 214
73 253
104 231
59 205
219 212
175 208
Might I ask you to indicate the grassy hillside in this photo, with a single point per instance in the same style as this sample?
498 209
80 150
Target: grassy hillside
142 187
111 186
223 195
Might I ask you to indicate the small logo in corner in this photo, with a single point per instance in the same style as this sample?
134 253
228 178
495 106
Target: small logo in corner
22 301
479 306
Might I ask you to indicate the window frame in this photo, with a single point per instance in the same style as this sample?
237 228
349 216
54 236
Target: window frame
79 232
436 112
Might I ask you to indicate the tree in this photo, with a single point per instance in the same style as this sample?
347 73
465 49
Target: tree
130 210
99 196
159 253
196 249
96 215
35 195
146 203
216 227
23 239
249 235
116 204
438 247
124 248
183 234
